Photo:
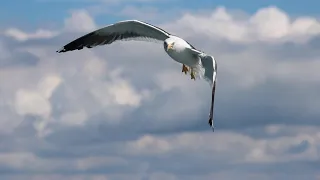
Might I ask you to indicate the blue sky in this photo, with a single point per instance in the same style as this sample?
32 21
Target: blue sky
39 11
126 112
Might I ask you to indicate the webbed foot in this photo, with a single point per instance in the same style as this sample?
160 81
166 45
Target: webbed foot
192 74
185 69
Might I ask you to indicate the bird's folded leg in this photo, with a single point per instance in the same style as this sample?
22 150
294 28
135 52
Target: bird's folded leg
193 76
185 69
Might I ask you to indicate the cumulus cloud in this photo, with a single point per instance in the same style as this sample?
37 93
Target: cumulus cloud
37 101
104 114
80 21
23 36
268 24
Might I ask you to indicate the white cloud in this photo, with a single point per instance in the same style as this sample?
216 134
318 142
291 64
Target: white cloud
36 102
29 102
23 36
123 94
48 85
229 146
80 21
139 13
29 161
268 24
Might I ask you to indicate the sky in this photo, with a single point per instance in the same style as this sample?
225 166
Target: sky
126 111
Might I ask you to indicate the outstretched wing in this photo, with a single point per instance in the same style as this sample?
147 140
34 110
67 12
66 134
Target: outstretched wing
123 30
210 74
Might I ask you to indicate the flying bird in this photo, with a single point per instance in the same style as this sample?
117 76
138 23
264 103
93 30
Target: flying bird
194 61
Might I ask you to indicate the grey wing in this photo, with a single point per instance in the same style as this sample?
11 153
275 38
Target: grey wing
210 66
210 74
123 30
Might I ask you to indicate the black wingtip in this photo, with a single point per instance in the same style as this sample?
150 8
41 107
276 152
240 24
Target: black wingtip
61 50
210 122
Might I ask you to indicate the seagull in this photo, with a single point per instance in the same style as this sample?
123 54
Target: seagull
194 61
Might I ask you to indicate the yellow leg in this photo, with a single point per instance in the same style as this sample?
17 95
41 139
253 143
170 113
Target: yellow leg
185 69
192 74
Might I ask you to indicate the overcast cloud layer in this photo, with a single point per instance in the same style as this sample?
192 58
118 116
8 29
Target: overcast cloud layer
126 112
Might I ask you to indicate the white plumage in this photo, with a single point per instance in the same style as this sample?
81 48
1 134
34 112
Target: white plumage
194 61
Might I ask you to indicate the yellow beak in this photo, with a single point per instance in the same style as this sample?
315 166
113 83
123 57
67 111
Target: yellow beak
169 46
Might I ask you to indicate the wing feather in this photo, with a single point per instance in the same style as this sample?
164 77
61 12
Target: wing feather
123 30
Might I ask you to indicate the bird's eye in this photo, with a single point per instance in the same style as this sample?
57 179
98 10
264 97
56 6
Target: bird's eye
165 44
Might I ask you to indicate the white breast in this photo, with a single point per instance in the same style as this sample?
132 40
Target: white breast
182 55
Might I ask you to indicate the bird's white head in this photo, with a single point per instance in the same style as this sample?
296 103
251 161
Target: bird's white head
174 44
169 44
